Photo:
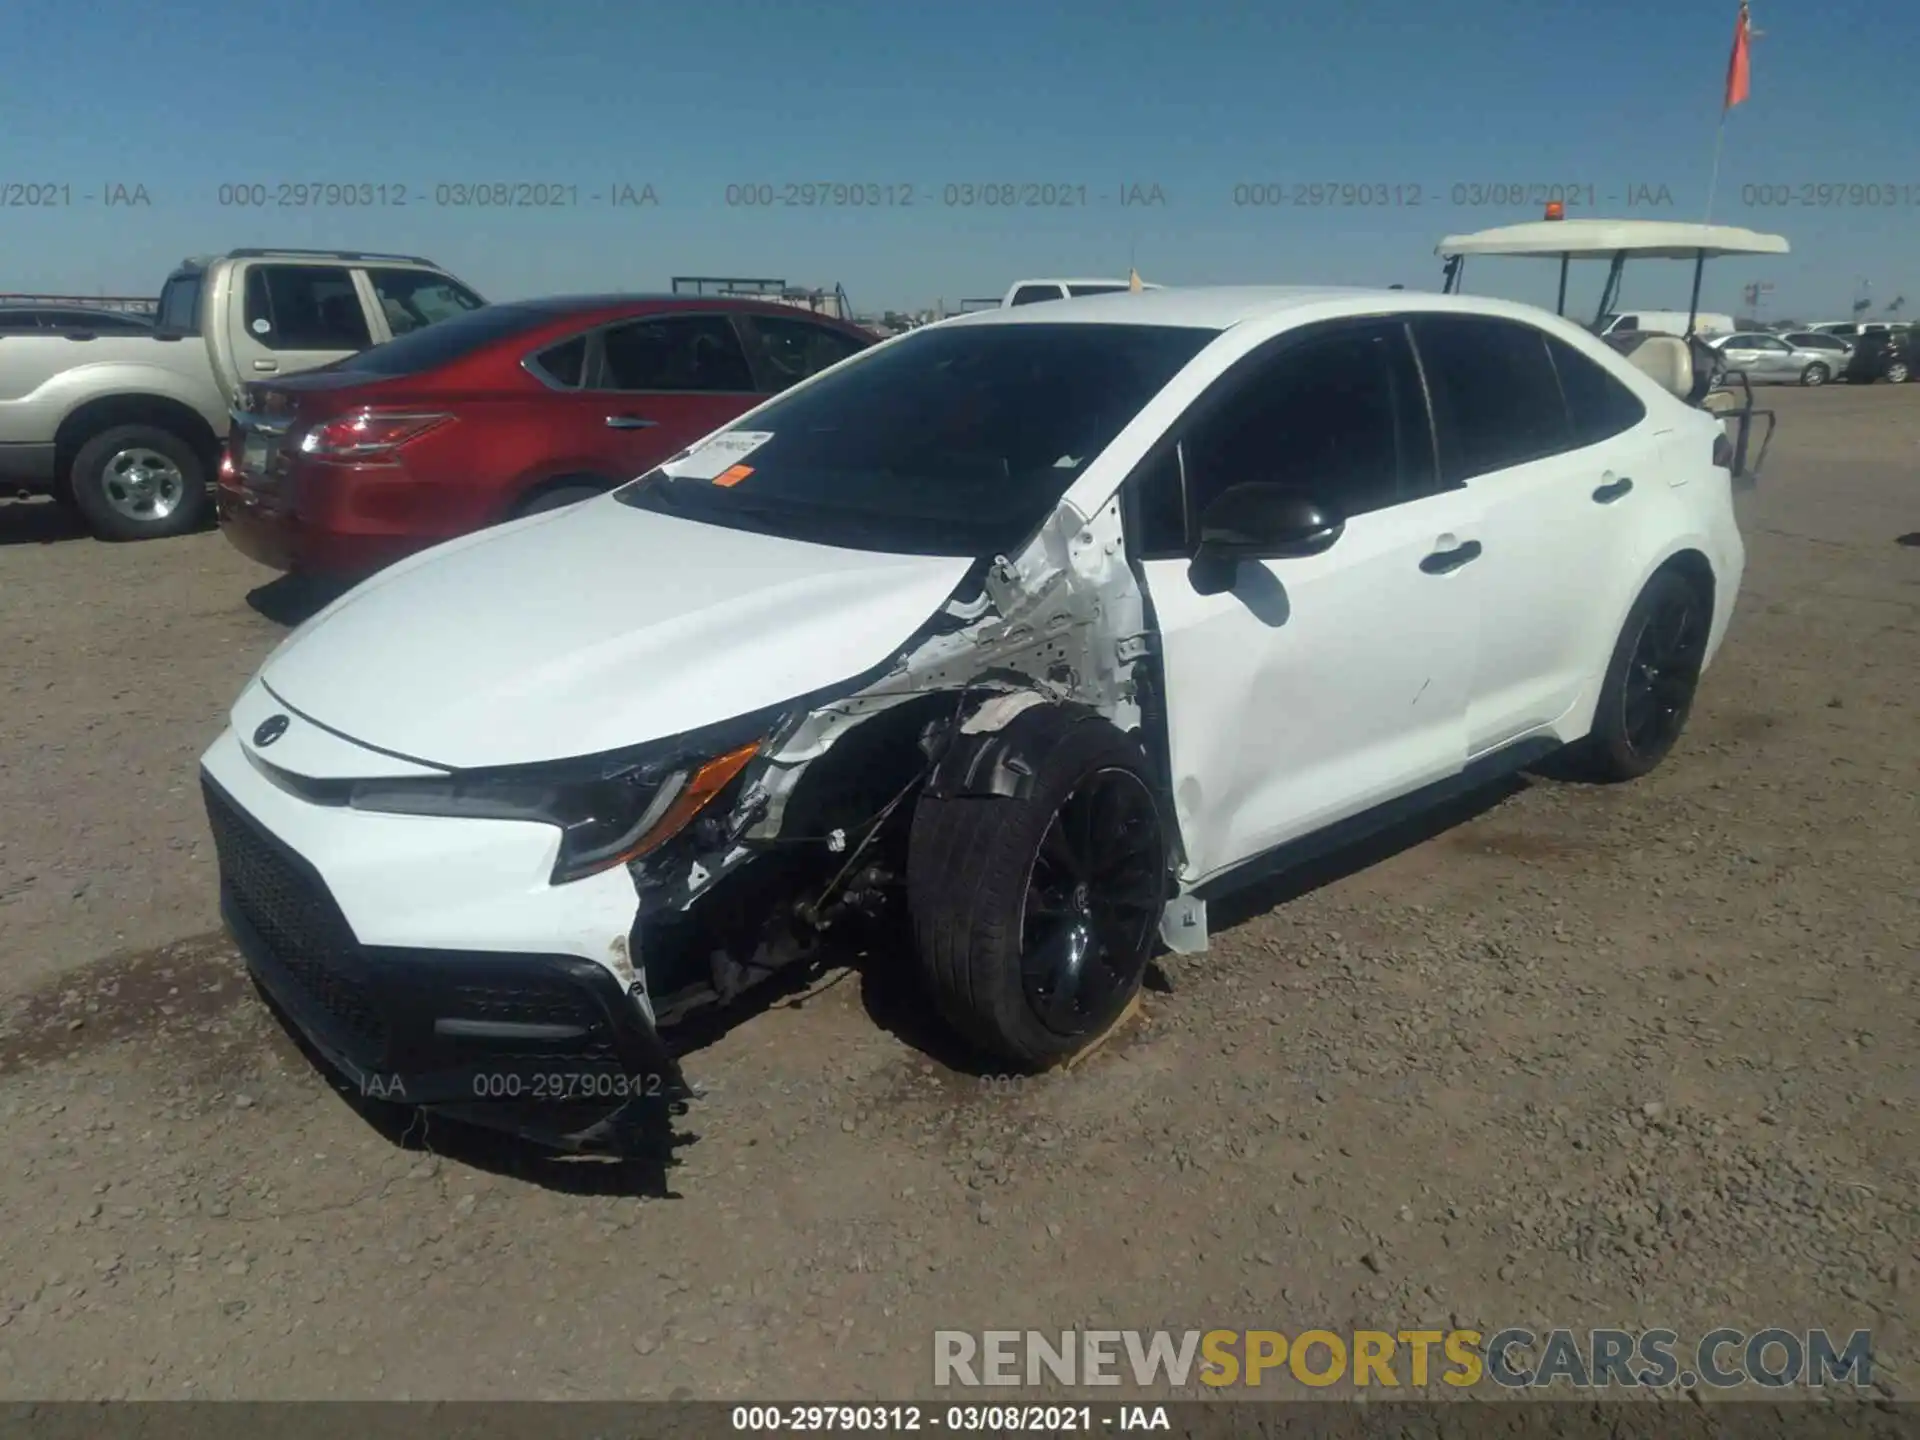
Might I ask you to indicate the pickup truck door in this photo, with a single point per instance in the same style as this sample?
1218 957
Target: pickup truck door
283 318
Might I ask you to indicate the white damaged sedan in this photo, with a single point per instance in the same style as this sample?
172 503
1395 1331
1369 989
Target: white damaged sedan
1004 646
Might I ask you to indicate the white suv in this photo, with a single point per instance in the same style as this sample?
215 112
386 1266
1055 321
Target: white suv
1031 632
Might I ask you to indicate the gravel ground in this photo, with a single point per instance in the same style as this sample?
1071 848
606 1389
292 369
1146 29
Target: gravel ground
1567 1056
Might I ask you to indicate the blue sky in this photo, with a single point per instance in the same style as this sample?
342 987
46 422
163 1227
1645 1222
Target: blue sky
1195 98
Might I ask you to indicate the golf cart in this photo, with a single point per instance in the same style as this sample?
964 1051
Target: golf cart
1682 364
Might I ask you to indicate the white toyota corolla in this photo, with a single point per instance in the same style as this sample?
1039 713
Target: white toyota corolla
1004 645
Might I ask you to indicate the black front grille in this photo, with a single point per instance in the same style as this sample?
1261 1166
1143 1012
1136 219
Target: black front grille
297 921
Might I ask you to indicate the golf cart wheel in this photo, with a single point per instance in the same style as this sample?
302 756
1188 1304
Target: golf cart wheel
139 482
1815 374
1650 681
1034 917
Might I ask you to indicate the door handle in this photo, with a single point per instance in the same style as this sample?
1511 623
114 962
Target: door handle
266 365
1442 562
630 422
1607 494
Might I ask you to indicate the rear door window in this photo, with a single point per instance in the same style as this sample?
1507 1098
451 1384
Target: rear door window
305 307
1496 398
414 299
788 351
697 353
1600 406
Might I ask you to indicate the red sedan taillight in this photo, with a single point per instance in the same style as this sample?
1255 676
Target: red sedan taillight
368 434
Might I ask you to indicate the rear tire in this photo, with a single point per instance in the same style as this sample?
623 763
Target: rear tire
1897 373
1815 374
558 497
1034 918
1650 681
139 482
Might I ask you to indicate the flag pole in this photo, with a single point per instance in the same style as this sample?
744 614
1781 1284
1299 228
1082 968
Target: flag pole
1713 177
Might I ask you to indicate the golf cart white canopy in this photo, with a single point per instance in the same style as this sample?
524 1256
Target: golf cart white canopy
1614 241
1604 239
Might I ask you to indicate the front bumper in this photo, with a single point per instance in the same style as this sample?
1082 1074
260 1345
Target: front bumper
544 1043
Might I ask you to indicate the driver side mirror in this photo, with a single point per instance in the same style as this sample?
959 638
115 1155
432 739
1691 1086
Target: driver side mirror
1259 522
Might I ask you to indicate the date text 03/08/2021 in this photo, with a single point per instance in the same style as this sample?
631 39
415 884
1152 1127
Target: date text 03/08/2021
957 1419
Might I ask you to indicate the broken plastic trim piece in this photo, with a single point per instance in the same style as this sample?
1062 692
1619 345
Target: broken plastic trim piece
1183 925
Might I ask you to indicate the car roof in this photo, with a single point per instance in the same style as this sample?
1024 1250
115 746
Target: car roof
557 305
1221 307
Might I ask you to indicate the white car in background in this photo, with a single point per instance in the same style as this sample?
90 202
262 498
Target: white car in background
1036 292
1027 633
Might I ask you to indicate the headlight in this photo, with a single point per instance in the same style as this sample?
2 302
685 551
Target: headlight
608 811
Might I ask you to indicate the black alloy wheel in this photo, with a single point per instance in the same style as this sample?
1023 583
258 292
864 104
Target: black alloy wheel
1093 903
1663 671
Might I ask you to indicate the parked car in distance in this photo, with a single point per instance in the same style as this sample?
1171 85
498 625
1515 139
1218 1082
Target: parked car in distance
1666 322
128 426
1838 346
15 319
496 414
1025 633
1035 292
1771 360
1891 355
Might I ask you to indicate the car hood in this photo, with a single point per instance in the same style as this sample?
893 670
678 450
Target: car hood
593 628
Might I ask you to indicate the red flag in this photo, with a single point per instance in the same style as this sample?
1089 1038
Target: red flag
1737 72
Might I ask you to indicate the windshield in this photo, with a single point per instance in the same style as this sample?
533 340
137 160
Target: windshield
952 441
445 341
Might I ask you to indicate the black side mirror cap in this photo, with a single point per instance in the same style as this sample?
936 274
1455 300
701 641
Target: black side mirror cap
1259 521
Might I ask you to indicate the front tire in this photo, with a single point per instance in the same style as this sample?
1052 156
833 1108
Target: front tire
1650 682
139 482
1034 917
1815 374
1897 373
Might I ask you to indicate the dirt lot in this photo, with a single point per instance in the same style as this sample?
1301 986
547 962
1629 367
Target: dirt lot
1574 1056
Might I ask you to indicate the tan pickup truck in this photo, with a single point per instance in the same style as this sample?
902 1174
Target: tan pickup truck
127 428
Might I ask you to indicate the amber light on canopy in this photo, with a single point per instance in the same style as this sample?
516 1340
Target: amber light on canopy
1556 210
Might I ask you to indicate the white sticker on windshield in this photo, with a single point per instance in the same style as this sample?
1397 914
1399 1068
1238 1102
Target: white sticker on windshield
717 456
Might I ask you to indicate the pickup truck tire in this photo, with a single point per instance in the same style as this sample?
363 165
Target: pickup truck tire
139 482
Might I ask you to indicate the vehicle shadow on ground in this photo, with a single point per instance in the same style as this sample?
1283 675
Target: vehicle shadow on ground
38 522
648 1148
292 600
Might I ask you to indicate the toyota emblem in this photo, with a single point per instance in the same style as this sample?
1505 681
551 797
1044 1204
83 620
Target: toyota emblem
270 730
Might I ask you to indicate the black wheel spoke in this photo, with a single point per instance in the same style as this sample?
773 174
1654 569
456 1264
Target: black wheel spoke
1055 849
1093 903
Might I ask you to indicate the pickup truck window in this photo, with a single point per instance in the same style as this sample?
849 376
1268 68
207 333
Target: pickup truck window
180 306
305 307
414 299
1036 294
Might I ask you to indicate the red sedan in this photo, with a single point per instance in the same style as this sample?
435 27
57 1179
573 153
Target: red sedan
495 414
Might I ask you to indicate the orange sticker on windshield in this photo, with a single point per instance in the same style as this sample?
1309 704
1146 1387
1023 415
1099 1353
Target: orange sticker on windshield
733 475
